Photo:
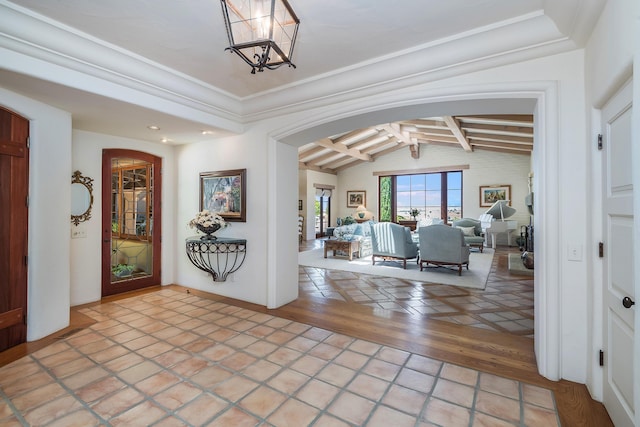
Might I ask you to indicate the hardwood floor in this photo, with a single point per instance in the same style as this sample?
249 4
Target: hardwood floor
486 350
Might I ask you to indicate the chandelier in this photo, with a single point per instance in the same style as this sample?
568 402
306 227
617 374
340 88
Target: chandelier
262 32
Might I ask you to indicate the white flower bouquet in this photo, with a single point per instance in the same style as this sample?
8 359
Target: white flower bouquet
207 222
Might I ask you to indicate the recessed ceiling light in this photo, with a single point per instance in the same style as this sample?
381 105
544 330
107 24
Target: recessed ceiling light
153 127
165 140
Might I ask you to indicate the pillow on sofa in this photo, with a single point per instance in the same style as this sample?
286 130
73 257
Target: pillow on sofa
468 231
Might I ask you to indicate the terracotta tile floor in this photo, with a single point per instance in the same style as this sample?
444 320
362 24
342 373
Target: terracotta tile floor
171 358
506 305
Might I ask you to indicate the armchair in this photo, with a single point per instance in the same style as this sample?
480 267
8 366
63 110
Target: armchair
392 241
443 245
472 231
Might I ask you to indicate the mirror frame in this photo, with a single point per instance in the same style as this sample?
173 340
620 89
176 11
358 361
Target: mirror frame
77 178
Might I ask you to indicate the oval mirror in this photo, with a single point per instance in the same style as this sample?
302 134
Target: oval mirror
81 197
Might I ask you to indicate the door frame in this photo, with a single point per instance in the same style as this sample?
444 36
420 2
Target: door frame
107 288
616 104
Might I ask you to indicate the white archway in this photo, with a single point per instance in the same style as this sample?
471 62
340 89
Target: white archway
537 98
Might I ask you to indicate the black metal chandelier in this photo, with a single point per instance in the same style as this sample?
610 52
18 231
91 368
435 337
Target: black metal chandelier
262 32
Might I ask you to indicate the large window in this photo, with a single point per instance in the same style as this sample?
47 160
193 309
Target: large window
433 195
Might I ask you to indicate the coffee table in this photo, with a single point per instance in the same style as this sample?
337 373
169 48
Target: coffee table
348 246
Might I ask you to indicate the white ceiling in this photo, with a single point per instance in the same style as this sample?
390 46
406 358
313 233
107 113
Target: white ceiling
377 40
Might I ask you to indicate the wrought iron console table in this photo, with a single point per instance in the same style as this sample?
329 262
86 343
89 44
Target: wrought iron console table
219 257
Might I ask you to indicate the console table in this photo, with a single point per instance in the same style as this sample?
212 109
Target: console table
219 257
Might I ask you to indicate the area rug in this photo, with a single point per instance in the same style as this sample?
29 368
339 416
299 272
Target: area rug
475 277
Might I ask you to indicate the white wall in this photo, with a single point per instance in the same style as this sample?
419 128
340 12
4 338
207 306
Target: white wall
86 253
247 151
49 213
485 168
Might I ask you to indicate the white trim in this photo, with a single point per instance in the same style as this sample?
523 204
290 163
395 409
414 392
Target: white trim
544 97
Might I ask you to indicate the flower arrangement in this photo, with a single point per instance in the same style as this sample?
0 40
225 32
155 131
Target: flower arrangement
414 213
207 220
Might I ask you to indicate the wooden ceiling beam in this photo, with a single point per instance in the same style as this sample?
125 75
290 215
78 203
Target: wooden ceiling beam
302 166
389 150
354 135
435 138
308 157
516 130
503 119
435 122
501 138
454 125
500 150
395 130
341 148
427 131
380 135
511 147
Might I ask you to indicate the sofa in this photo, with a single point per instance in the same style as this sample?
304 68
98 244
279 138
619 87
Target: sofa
472 232
442 245
357 231
392 241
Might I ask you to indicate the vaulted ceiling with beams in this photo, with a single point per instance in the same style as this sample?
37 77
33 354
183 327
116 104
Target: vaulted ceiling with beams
503 133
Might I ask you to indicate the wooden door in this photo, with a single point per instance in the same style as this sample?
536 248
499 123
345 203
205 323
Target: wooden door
131 220
619 334
14 186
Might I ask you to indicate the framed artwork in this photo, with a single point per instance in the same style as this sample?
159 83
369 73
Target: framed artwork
356 198
490 194
299 205
224 192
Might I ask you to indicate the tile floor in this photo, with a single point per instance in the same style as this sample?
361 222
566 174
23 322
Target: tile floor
506 305
171 358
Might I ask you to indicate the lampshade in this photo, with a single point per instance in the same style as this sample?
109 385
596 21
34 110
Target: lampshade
362 214
262 32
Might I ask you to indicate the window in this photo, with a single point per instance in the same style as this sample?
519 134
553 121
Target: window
435 195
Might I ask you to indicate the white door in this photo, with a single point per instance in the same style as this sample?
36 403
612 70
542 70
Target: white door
619 259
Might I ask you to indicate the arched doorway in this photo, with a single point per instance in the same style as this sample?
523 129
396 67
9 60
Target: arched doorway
537 98
131 220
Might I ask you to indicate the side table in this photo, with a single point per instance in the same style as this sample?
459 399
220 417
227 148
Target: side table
219 257
348 246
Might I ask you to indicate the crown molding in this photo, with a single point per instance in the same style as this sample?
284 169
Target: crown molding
528 37
69 57
69 50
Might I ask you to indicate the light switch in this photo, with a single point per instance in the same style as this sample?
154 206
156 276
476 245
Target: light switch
78 232
574 252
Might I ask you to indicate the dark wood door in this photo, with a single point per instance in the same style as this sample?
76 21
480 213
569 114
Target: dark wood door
14 185
131 220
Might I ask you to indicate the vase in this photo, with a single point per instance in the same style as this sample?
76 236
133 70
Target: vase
208 231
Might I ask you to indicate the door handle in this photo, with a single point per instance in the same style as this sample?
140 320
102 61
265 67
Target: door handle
628 302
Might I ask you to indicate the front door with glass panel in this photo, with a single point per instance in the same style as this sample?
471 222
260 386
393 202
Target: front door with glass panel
131 224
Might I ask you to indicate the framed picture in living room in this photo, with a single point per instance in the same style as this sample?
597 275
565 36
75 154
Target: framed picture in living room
489 194
225 193
356 198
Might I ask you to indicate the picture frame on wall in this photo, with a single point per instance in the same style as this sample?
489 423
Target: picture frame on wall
356 198
299 205
225 193
489 194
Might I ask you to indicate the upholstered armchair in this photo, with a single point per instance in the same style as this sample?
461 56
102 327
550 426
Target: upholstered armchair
443 245
392 241
472 231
